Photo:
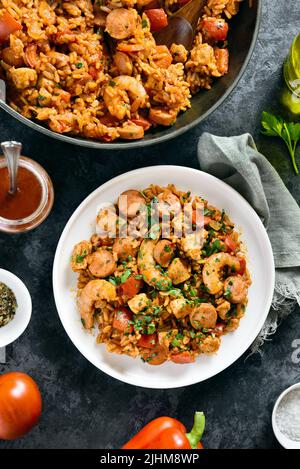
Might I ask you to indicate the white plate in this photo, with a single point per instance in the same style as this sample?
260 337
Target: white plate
261 265
18 324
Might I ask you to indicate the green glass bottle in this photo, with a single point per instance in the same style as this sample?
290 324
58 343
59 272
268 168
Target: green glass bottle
290 96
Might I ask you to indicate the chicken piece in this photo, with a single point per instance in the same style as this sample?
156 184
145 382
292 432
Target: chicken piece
23 77
223 309
178 271
192 244
180 307
138 303
210 345
125 247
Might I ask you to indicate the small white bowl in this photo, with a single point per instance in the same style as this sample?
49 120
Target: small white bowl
286 442
11 331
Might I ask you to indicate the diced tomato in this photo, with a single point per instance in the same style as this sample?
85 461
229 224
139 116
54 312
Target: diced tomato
141 121
106 138
214 29
243 264
182 358
183 2
8 25
130 287
230 244
122 319
158 19
204 221
219 329
147 340
93 71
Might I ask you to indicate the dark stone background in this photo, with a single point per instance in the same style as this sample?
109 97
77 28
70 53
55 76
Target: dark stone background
83 407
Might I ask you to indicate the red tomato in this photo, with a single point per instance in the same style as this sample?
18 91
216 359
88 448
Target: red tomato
182 358
93 71
122 319
20 405
158 18
130 287
215 30
8 25
147 340
243 264
219 329
230 244
142 122
183 2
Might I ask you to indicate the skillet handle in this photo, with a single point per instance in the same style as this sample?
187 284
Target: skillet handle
2 91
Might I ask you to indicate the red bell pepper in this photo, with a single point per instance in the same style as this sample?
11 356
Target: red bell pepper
168 433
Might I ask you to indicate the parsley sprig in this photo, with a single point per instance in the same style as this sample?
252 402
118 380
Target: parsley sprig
276 126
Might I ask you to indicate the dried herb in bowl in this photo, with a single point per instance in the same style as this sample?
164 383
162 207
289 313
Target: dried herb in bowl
8 304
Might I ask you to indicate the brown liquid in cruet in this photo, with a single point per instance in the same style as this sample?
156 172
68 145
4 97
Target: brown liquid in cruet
26 199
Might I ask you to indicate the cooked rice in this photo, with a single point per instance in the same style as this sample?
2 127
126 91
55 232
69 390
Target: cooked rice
155 313
58 67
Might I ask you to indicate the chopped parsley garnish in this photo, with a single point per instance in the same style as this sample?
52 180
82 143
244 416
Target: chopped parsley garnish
79 65
125 275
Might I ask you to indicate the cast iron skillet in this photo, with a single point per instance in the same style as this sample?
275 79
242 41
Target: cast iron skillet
242 38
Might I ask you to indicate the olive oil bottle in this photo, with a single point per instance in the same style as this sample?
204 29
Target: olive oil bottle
290 97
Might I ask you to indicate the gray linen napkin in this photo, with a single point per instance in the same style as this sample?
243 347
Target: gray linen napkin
237 162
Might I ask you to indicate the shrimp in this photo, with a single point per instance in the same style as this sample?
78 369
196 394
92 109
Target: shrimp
212 270
121 23
147 267
204 316
235 289
79 255
124 94
168 204
101 263
107 221
161 116
123 63
94 291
